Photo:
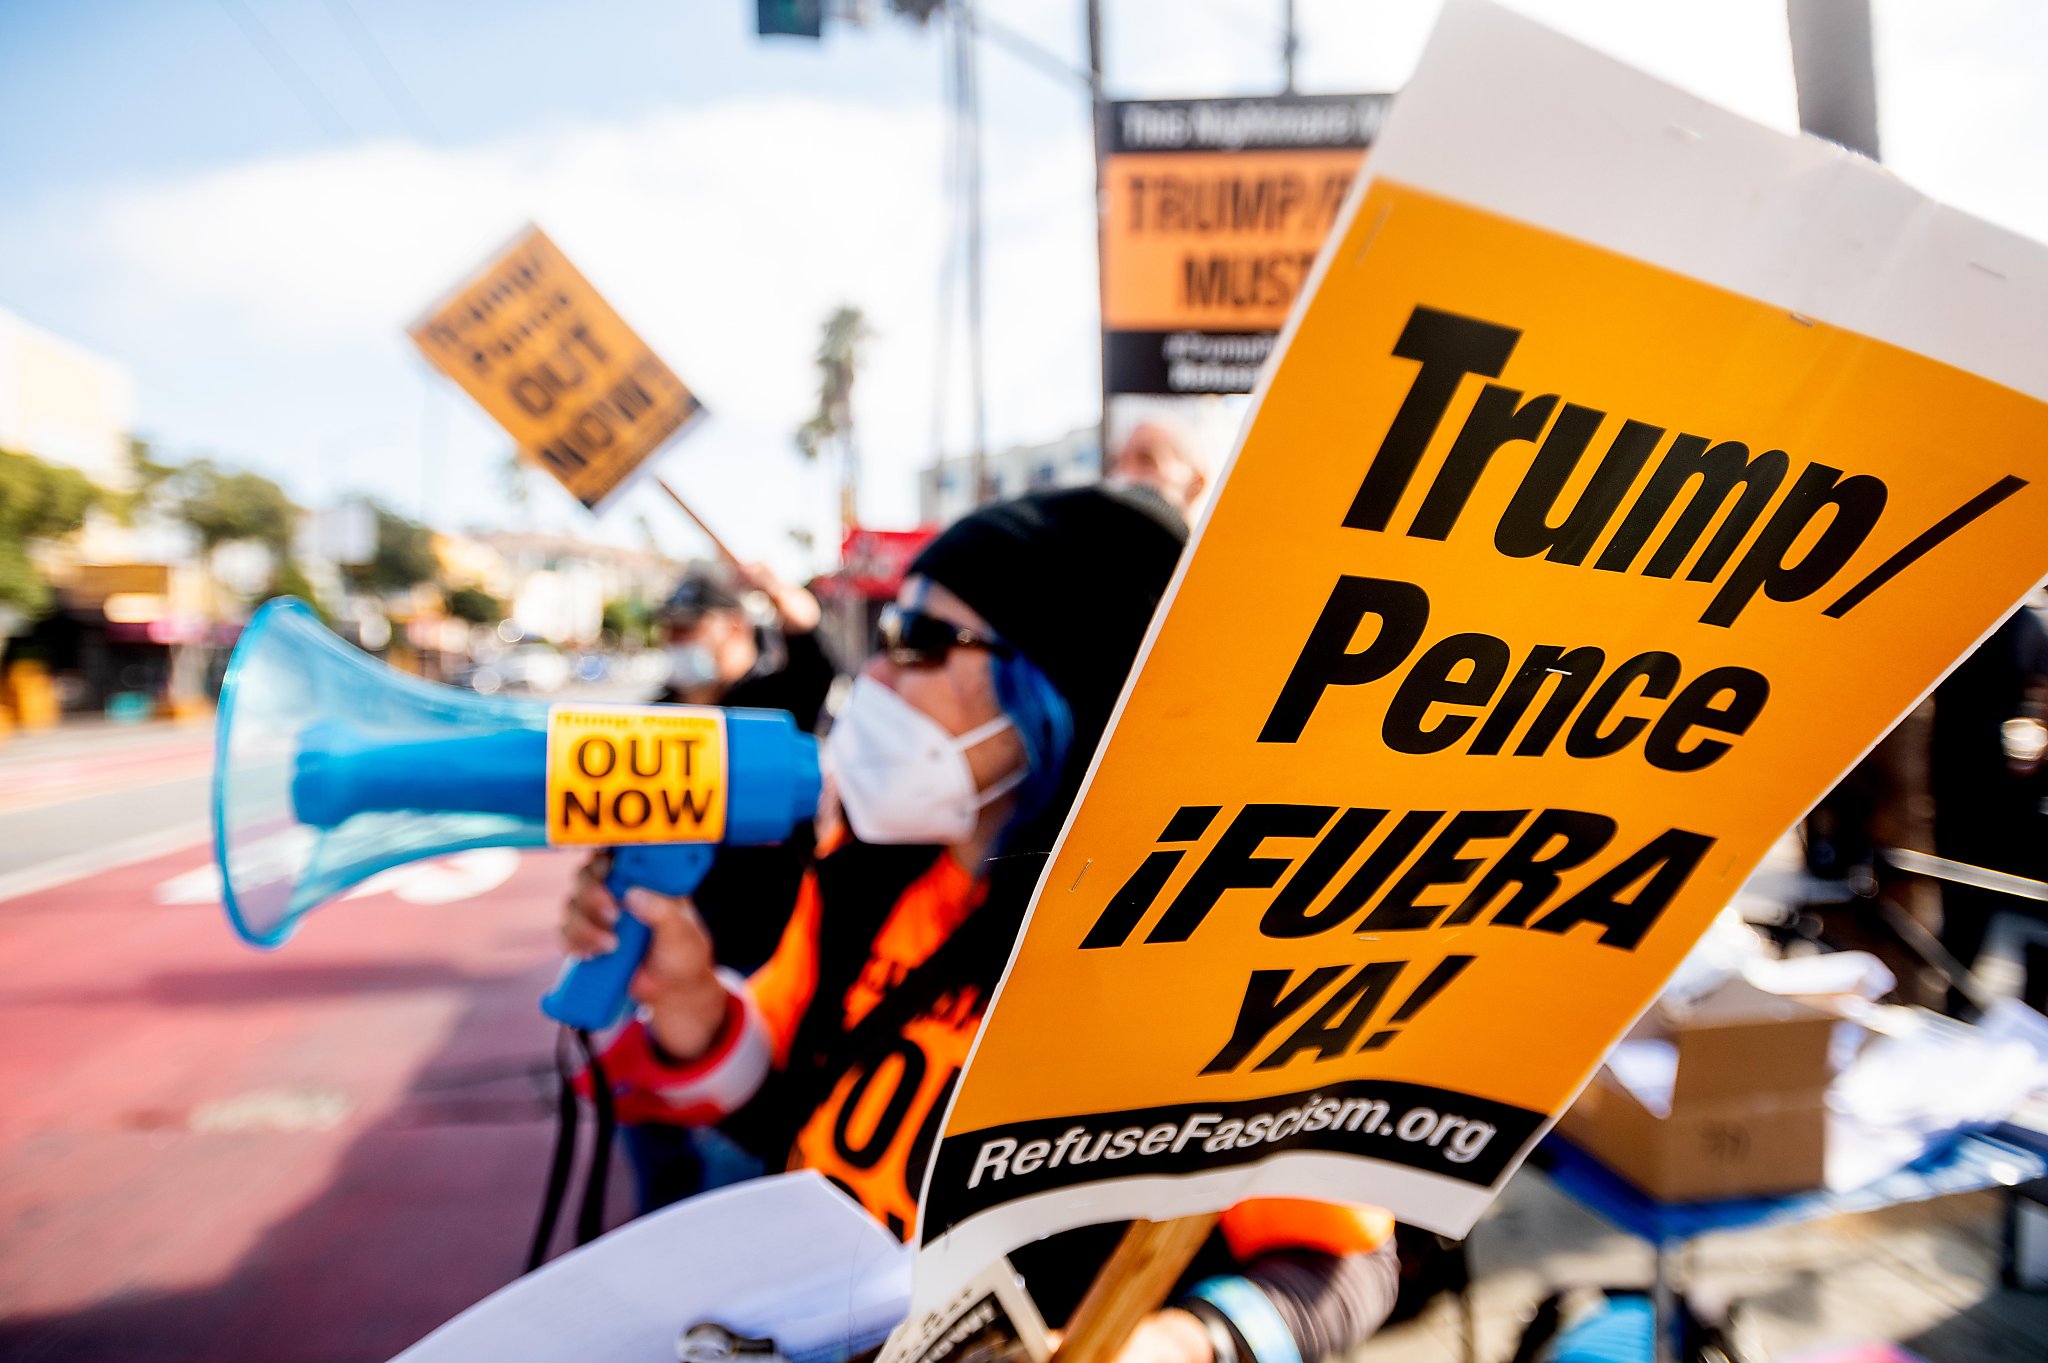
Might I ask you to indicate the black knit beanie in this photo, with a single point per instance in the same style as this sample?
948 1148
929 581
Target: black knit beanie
1070 578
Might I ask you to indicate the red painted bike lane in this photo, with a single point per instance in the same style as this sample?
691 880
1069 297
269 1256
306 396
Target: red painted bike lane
317 1153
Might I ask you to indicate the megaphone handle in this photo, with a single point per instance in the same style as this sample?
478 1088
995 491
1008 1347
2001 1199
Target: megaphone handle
591 993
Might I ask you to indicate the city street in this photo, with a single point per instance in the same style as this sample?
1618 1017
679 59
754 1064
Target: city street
90 796
321 1153
210 1151
1288 683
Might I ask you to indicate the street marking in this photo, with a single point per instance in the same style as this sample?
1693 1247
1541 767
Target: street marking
274 1110
441 880
82 865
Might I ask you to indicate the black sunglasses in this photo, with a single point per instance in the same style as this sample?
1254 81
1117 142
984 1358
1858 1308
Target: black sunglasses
914 639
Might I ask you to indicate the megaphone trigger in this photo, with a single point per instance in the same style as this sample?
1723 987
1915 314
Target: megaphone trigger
591 993
329 768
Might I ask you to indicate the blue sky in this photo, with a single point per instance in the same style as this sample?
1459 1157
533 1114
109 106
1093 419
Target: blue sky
252 248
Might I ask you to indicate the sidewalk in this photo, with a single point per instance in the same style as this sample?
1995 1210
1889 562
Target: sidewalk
1923 1275
92 795
85 734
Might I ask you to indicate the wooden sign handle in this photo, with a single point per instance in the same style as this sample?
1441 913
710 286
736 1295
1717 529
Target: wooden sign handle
716 543
1131 1285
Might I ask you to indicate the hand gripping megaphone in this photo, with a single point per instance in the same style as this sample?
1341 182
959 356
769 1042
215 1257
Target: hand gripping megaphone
330 767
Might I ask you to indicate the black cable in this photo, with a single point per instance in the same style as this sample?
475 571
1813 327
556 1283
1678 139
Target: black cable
590 1217
558 1163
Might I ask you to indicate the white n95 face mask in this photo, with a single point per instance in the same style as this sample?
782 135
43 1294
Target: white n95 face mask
902 778
691 665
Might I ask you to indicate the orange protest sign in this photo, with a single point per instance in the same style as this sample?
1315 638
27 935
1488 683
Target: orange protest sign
546 356
1547 587
1213 211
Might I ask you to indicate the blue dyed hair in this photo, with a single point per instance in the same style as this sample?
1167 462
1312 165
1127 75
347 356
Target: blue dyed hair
1041 717
1045 724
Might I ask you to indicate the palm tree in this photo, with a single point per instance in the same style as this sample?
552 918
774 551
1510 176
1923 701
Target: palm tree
838 359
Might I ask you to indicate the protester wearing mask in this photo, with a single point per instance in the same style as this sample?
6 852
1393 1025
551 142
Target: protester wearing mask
962 747
719 655
1163 456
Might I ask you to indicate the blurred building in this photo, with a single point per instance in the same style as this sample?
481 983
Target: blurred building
467 561
64 404
945 490
127 591
557 585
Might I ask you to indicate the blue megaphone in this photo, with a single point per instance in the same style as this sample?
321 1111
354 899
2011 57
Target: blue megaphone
330 767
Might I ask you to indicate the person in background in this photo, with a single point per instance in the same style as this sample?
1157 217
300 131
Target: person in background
1988 780
1164 456
719 655
961 748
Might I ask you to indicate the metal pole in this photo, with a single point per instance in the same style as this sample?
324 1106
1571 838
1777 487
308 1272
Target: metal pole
1288 44
969 113
1663 1306
1833 71
716 543
1098 116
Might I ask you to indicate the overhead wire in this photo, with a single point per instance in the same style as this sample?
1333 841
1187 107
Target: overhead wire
287 70
434 409
949 263
396 92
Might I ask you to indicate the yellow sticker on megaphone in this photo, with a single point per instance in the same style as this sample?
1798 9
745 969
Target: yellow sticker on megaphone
635 773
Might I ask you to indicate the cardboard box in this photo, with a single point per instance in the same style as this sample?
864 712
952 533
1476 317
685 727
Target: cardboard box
1748 1103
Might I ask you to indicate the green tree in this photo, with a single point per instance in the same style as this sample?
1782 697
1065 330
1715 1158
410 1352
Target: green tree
291 580
404 556
150 473
223 505
628 618
845 335
475 605
38 500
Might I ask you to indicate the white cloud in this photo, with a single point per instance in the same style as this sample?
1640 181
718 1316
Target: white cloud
725 234
264 303
1963 108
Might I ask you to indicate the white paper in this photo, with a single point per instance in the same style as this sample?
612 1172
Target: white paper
1919 1081
1648 1069
788 1257
1830 972
993 1303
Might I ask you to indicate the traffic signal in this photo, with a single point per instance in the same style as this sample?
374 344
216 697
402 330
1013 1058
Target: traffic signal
789 18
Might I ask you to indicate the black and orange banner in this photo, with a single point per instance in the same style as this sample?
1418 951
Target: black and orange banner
1214 211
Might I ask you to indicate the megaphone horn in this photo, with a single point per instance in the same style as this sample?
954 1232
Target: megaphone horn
330 767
